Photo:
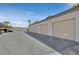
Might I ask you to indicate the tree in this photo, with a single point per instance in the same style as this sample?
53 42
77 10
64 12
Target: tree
29 22
6 22
75 5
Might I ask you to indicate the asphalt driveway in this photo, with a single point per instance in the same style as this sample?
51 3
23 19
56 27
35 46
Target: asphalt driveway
63 46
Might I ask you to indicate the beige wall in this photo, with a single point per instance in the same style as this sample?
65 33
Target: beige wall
37 28
77 27
18 29
64 29
65 17
62 26
44 29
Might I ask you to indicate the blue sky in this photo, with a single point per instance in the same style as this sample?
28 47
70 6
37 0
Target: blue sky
19 14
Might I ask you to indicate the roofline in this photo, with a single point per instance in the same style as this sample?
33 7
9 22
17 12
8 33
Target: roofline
59 14
4 25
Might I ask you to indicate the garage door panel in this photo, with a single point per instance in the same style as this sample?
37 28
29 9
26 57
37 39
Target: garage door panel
64 29
44 29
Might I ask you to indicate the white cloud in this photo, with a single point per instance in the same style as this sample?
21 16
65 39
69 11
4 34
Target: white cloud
2 16
72 4
29 12
18 24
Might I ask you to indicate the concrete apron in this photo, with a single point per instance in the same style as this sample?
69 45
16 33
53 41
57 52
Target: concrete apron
39 48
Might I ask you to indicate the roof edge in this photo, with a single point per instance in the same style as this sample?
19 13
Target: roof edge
59 14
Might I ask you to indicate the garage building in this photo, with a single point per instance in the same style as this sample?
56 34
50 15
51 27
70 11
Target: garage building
63 25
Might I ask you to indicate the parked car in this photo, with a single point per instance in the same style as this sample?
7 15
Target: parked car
10 31
5 30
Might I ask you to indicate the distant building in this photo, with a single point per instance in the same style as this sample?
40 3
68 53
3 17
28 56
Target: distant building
63 25
3 26
18 29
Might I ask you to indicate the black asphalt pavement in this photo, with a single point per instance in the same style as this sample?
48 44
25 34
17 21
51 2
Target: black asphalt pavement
63 46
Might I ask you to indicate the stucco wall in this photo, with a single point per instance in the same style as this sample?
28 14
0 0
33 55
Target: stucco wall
44 29
64 29
77 27
70 27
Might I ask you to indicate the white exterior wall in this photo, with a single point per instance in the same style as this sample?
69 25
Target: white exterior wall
44 27
64 29
77 27
68 16
72 15
37 28
32 28
50 28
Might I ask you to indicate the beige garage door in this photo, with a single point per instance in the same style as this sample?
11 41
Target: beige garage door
44 29
64 29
